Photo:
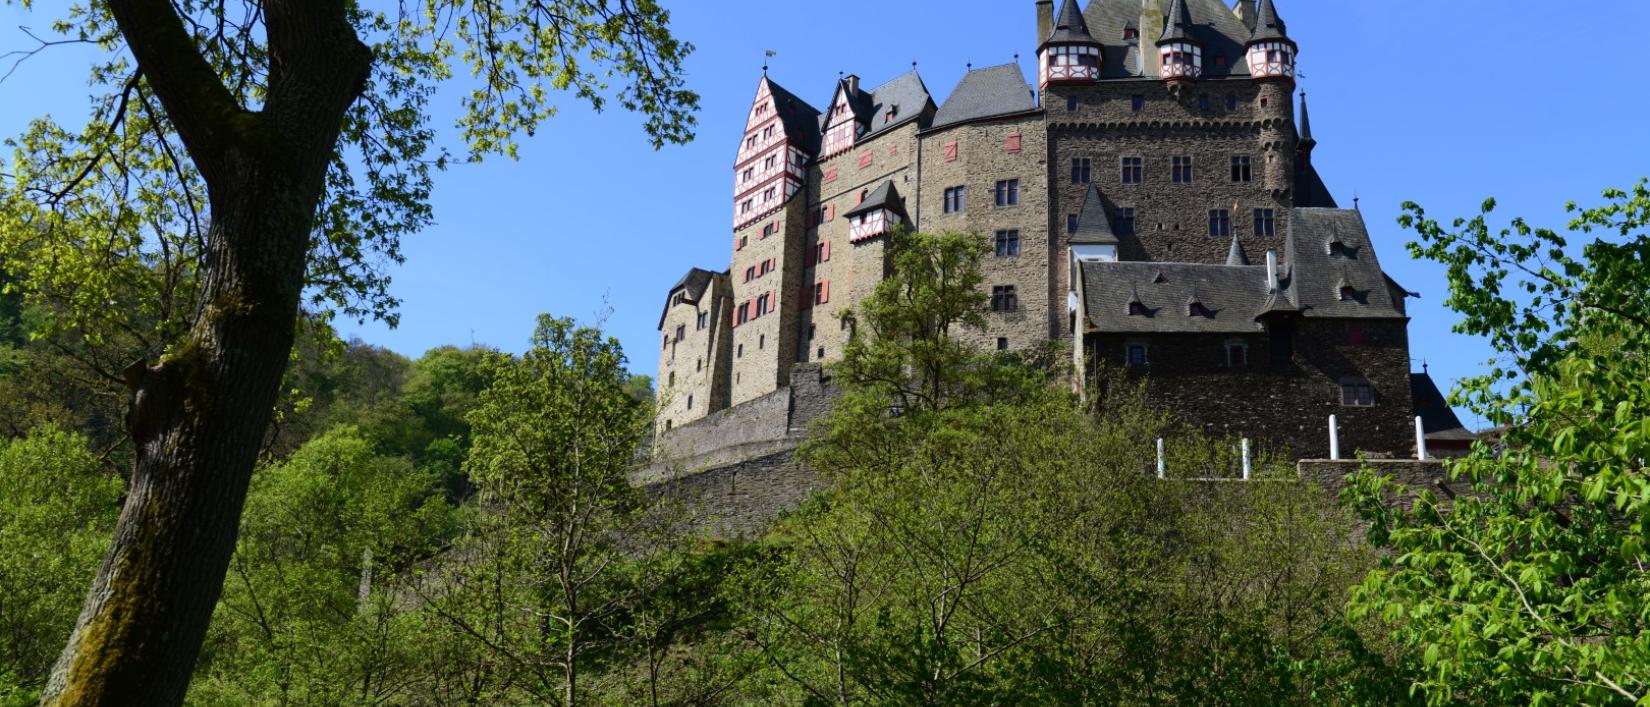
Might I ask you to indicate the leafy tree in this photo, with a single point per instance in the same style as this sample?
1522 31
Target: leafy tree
241 158
1535 587
555 556
55 516
315 609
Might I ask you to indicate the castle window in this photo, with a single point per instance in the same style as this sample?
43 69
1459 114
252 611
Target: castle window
750 172
768 133
767 230
744 314
1338 249
681 332
761 341
1231 101
1008 192
1137 356
750 142
1134 170
745 208
1198 310
672 379
1071 104
1130 33
770 162
1139 103
1354 335
1002 344
1264 103
821 355
1237 354
762 304
1082 171
1203 102
743 241
1182 170
1357 392
1071 223
1008 244
704 320
1266 223
740 353
1349 294
698 365
678 299
668 424
1242 171
770 194
1137 309
1125 221
666 344
822 292
1220 223
862 194
811 331
1004 299
690 402
750 273
954 199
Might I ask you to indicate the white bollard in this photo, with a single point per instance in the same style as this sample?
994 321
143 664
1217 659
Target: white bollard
1420 440
1334 439
1247 468
1162 464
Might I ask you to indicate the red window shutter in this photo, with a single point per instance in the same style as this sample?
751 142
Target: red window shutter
865 159
893 149
1014 142
951 152
825 292
830 174
830 212
773 301
827 254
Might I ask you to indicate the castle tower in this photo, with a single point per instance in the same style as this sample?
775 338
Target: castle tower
1069 54
769 226
1180 54
1271 51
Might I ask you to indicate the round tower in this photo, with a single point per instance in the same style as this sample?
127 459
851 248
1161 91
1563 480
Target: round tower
1069 54
1271 51
1179 51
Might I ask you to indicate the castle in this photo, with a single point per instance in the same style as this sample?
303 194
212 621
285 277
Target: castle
1152 201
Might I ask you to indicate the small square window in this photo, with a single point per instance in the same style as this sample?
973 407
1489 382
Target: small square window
1266 223
1002 344
1237 355
1082 171
1203 103
1008 244
1243 171
1220 223
1137 355
1357 393
1008 192
1139 103
1231 101
1004 299
1134 169
1182 169
1071 104
1071 223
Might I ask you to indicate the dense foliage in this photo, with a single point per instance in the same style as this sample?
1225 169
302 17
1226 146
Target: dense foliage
1537 586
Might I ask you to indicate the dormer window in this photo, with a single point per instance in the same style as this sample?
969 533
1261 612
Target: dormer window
1131 34
1198 310
1338 249
1137 309
1349 294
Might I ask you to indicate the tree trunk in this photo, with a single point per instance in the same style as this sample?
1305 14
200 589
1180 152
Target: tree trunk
197 418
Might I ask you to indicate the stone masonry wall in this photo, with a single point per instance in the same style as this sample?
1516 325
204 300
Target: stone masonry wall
1284 407
985 157
692 373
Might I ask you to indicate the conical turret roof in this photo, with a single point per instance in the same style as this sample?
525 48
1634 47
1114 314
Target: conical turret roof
1070 27
1235 257
1268 26
1178 28
1093 227
1306 125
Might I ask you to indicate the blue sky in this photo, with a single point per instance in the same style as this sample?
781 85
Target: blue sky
1444 103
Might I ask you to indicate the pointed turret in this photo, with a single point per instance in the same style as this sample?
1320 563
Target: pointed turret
1271 51
1069 54
1179 50
1245 11
1235 257
1307 144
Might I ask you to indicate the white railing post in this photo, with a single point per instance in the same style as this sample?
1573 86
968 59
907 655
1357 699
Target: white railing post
1247 468
1162 464
1334 438
1420 440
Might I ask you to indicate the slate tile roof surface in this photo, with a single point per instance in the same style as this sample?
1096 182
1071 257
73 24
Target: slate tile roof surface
885 197
1214 26
1093 224
987 93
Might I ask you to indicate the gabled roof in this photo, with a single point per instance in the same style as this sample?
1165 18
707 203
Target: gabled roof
1268 26
987 93
801 120
1093 225
1069 27
905 96
858 101
1216 28
885 197
1316 277
1178 27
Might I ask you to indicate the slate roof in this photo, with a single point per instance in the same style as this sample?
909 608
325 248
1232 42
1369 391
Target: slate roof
1178 25
1438 420
1309 283
1231 294
1268 26
987 93
1093 225
1315 276
800 119
1310 191
906 95
1235 256
885 197
1213 25
1069 26
695 283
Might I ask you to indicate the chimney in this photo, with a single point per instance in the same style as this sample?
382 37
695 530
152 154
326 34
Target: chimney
1045 20
1245 11
1271 271
1151 30
853 84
